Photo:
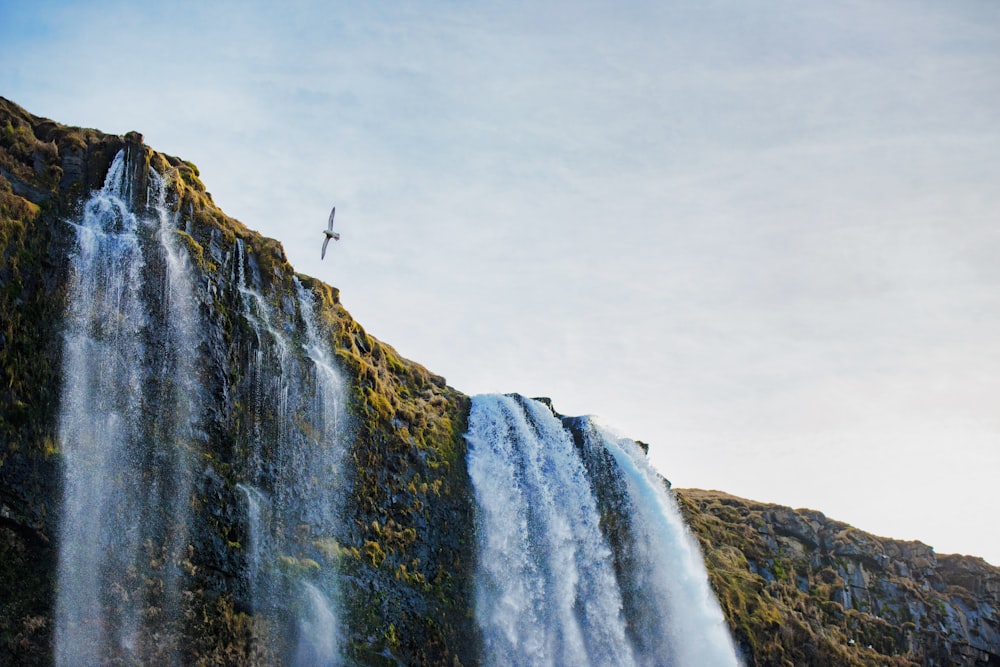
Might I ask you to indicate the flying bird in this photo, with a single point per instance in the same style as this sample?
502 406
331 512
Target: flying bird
330 234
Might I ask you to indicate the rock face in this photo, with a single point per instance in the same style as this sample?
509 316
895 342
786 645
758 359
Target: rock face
405 568
800 588
797 588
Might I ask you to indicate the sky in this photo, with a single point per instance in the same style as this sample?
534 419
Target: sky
763 237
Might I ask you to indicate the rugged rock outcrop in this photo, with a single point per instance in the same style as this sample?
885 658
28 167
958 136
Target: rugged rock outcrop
798 589
405 565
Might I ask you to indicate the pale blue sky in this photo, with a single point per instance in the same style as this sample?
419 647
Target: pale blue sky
762 237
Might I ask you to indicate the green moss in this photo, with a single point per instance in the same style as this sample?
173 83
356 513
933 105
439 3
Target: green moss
775 621
224 636
406 468
298 566
195 251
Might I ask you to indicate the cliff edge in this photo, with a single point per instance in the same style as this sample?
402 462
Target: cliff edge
797 588
802 589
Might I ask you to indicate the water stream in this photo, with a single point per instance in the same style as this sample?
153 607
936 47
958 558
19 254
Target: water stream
133 424
128 427
557 584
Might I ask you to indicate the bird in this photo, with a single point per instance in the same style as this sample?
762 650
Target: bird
330 234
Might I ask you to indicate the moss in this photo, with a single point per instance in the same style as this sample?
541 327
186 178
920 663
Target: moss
407 481
195 251
223 636
777 622
408 450
298 566
407 572
329 547
30 303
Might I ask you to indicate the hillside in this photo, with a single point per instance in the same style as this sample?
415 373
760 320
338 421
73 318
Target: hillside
802 589
796 587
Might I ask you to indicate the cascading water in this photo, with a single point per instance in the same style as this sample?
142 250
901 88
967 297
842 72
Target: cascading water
550 587
317 643
180 402
294 444
142 364
318 486
98 422
673 612
127 435
256 535
559 582
546 592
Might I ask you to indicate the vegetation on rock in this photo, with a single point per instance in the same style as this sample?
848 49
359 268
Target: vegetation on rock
407 480
801 589
796 587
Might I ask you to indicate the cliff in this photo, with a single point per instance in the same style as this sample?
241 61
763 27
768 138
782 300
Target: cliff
796 587
408 568
802 589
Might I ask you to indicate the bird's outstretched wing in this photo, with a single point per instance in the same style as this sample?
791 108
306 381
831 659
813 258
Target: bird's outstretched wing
329 223
326 242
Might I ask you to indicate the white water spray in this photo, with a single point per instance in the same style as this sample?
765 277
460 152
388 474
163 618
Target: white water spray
677 613
546 589
294 440
317 644
320 485
126 435
546 592
180 404
256 534
98 424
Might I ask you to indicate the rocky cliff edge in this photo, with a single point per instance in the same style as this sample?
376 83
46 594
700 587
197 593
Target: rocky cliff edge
802 589
797 588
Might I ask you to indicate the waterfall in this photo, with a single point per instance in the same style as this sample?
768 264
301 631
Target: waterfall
180 403
550 585
671 606
98 423
319 487
126 431
294 442
317 645
256 545
145 371
546 592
